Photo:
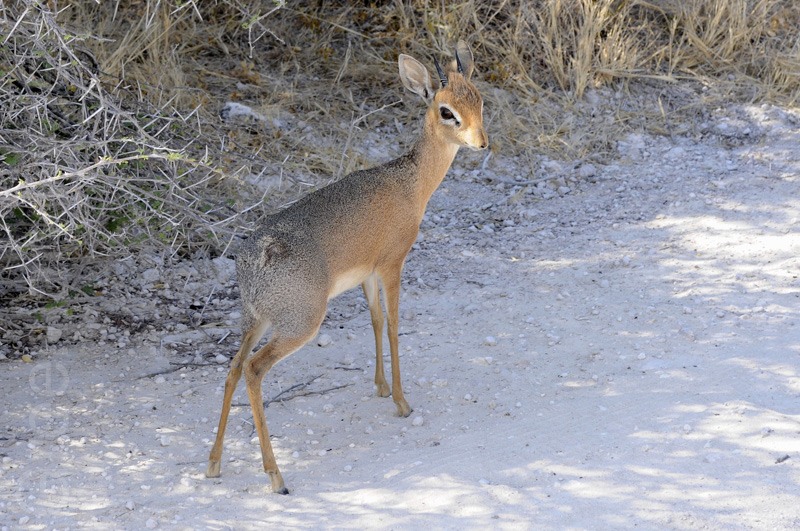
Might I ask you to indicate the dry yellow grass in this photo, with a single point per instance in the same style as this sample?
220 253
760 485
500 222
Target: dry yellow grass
152 75
322 61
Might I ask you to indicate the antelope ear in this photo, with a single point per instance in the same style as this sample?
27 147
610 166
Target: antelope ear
415 77
466 64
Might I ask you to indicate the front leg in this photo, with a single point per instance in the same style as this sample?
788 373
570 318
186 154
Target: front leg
391 292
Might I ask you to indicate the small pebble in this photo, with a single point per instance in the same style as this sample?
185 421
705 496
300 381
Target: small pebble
490 341
586 171
151 275
221 358
53 334
418 421
324 340
641 356
151 523
130 505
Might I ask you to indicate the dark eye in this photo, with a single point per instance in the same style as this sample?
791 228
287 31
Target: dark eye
446 113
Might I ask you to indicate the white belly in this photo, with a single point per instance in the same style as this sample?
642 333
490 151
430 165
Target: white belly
349 279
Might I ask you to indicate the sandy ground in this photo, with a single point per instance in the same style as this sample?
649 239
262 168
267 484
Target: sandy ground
618 347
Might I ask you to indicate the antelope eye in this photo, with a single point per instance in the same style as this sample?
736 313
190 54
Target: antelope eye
446 113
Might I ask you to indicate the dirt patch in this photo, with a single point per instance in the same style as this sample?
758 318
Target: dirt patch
615 346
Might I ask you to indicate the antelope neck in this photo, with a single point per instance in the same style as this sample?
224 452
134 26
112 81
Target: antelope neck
433 155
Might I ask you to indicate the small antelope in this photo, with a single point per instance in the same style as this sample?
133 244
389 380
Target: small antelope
355 231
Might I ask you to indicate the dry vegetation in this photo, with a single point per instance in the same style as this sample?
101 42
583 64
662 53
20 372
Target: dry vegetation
110 140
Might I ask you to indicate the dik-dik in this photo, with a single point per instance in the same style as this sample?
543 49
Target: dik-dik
355 231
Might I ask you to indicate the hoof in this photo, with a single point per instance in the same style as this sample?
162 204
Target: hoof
278 486
403 409
213 470
383 389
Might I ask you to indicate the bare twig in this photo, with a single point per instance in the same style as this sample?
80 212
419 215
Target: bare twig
87 175
175 367
281 396
353 125
158 373
307 393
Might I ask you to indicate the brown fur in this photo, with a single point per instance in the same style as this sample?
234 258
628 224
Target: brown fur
355 231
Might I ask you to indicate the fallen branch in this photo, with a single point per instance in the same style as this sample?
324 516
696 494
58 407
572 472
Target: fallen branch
177 367
307 393
302 385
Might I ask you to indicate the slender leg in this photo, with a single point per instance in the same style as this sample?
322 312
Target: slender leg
214 459
391 293
254 370
370 287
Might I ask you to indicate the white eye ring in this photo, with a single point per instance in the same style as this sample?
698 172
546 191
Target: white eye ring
449 115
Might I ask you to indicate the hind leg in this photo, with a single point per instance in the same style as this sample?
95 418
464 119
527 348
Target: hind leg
370 287
255 369
248 342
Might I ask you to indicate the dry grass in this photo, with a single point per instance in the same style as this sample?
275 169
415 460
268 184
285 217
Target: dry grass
110 140
89 170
